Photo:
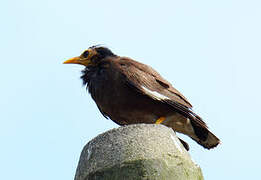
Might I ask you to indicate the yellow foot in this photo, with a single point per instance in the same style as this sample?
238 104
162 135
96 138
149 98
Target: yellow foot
160 120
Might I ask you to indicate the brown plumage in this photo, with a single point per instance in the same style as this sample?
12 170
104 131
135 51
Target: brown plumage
130 92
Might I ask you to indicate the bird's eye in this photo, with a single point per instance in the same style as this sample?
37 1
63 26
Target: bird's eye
85 54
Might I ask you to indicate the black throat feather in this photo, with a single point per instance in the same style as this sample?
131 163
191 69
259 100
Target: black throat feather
86 75
89 72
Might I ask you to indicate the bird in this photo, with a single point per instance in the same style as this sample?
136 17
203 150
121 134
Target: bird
130 92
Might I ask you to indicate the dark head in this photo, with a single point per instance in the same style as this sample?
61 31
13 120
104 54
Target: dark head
91 56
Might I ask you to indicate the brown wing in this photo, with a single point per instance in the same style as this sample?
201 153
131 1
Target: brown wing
147 81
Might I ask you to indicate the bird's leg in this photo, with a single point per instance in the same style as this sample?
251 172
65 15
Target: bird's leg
160 120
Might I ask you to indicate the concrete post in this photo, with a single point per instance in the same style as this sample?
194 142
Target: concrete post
137 152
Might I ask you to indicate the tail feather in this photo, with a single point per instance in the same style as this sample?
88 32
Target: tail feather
193 126
203 136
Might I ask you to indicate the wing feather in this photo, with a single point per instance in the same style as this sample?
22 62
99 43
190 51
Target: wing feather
147 81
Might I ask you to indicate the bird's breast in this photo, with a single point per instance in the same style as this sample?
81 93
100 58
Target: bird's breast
121 103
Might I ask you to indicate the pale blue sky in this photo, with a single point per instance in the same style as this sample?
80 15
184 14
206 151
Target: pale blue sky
209 50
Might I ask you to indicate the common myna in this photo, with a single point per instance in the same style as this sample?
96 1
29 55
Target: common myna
129 92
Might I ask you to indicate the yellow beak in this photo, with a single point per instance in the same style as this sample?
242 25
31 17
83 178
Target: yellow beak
74 60
78 60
